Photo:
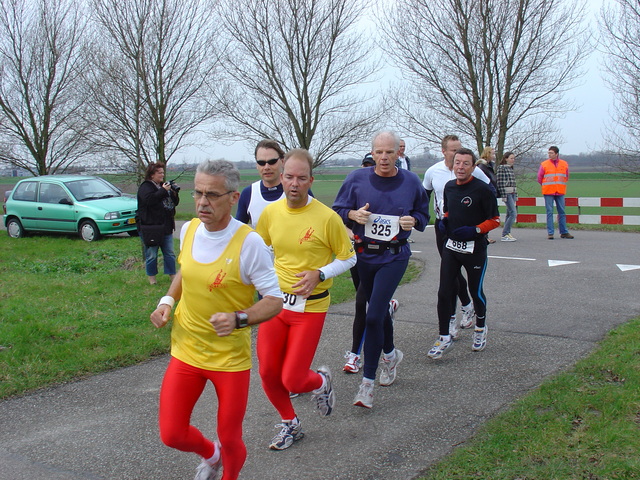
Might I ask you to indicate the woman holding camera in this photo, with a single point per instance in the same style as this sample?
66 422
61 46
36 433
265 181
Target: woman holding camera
157 201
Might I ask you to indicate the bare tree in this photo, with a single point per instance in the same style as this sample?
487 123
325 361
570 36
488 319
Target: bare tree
293 69
154 66
41 55
620 42
491 71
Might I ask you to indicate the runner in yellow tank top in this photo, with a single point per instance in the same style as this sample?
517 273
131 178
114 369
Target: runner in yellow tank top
222 263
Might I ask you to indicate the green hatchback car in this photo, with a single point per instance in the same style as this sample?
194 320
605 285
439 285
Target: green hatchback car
88 206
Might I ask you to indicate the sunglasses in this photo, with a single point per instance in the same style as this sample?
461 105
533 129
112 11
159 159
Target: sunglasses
262 163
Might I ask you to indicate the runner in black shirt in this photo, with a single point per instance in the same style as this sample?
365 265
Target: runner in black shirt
471 211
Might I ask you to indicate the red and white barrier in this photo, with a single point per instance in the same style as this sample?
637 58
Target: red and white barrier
580 202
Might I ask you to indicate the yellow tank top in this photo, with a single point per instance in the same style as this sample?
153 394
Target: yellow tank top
207 289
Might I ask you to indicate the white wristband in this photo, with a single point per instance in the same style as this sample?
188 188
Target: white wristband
167 300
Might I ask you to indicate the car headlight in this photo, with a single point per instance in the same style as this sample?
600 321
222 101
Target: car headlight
112 215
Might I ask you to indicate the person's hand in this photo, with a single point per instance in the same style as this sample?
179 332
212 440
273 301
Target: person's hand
407 222
361 215
223 323
309 280
464 233
442 226
160 316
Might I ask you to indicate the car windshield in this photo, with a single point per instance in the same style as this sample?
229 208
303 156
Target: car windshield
92 189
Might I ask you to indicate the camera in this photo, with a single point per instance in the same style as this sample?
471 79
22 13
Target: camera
174 186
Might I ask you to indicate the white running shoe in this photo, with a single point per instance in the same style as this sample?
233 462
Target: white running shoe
468 317
389 369
324 397
289 433
507 238
364 397
454 331
353 362
393 308
479 339
206 471
439 348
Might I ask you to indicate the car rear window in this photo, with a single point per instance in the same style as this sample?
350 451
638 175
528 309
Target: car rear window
26 191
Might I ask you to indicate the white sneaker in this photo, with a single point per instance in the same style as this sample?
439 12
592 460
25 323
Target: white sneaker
353 362
468 317
289 433
479 339
206 471
454 331
364 397
439 348
324 397
507 238
389 369
393 308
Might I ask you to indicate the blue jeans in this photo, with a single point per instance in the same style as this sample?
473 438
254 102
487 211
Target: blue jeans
562 216
151 257
510 201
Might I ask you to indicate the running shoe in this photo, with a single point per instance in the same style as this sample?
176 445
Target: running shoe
206 471
389 369
393 308
364 397
479 339
454 331
293 395
439 348
324 397
289 433
353 362
507 238
567 235
468 317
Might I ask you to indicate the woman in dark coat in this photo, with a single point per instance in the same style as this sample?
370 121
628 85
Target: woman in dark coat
157 201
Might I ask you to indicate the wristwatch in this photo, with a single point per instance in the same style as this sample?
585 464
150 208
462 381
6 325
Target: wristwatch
478 230
242 319
322 277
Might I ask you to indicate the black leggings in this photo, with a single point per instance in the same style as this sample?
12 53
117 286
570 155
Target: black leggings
360 314
476 266
461 283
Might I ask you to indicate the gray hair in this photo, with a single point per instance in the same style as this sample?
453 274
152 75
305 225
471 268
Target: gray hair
386 133
222 168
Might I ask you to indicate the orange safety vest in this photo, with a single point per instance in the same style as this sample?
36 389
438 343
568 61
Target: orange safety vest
554 180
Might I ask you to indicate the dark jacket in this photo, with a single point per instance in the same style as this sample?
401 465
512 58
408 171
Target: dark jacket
156 206
488 169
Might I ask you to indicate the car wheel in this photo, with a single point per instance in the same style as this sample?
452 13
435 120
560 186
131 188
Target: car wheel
89 231
14 228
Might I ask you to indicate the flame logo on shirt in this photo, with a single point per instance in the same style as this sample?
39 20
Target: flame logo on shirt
307 235
217 283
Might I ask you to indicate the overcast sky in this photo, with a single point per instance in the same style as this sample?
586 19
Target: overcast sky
580 131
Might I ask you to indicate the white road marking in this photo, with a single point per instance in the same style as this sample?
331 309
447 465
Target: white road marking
513 258
626 268
555 263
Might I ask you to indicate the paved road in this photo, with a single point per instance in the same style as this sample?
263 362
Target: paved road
543 316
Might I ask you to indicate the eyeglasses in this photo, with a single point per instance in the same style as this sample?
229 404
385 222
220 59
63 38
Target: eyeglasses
262 163
209 196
